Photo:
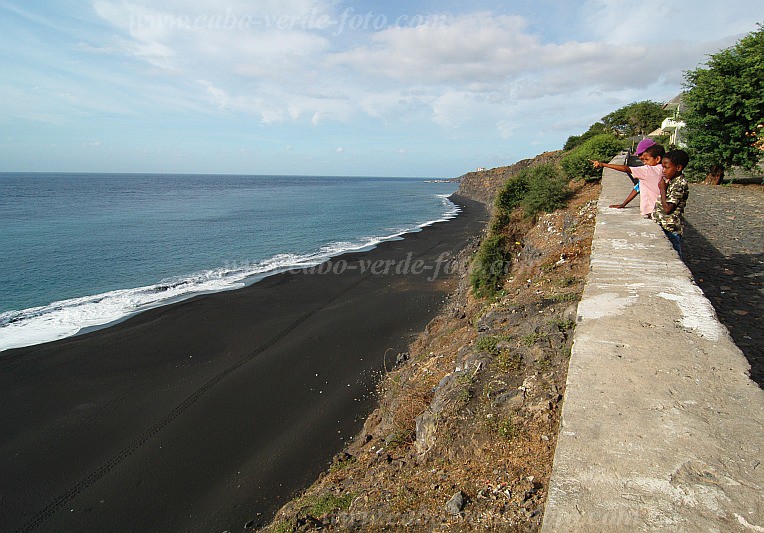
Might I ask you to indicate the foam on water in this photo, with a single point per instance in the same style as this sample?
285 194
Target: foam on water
69 317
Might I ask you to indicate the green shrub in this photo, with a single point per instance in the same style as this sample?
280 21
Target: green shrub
547 189
282 527
329 503
572 142
512 193
488 266
507 198
576 164
535 189
530 340
503 427
508 362
563 325
488 344
566 297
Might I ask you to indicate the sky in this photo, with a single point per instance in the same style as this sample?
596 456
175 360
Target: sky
328 87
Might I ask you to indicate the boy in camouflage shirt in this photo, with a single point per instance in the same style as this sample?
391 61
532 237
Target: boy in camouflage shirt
669 207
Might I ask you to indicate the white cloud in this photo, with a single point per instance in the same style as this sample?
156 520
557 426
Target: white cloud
466 49
273 61
216 94
263 42
654 21
242 50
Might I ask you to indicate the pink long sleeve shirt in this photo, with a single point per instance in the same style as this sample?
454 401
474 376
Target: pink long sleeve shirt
649 177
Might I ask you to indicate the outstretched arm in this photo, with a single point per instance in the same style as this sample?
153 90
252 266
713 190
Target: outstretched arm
600 164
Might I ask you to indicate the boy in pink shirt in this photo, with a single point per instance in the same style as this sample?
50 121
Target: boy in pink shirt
649 175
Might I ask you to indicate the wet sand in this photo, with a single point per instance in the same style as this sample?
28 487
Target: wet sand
208 414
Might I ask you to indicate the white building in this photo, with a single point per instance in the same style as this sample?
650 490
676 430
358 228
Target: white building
672 125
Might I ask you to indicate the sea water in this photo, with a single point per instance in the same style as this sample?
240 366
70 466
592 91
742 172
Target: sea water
84 250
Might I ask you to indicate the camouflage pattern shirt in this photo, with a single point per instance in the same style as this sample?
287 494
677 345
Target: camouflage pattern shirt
676 193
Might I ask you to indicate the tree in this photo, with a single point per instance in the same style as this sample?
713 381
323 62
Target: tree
637 118
725 108
576 140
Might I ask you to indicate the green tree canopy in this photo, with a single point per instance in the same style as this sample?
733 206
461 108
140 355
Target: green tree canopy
725 108
637 118
576 140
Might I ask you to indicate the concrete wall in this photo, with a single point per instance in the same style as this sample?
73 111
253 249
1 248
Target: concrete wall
661 427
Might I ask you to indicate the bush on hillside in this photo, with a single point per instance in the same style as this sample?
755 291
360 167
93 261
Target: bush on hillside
507 199
534 189
512 193
547 189
488 267
577 165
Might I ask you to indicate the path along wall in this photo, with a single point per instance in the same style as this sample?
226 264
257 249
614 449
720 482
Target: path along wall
661 426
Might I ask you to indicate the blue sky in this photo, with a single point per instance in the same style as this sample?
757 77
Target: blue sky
326 87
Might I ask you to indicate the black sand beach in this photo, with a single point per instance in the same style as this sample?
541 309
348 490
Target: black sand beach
208 414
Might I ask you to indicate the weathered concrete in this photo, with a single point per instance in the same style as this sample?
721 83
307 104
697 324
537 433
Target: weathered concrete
662 429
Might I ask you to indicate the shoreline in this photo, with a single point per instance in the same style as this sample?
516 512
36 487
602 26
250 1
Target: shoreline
211 412
306 260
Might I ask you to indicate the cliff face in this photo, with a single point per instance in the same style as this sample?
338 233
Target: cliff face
483 185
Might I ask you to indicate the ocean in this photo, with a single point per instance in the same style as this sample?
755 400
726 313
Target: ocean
79 251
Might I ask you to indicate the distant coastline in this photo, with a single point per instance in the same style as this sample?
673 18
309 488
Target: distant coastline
449 180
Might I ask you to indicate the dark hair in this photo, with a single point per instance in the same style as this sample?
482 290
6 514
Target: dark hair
678 157
655 150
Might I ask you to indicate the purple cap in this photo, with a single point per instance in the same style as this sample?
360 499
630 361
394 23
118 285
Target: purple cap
643 145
